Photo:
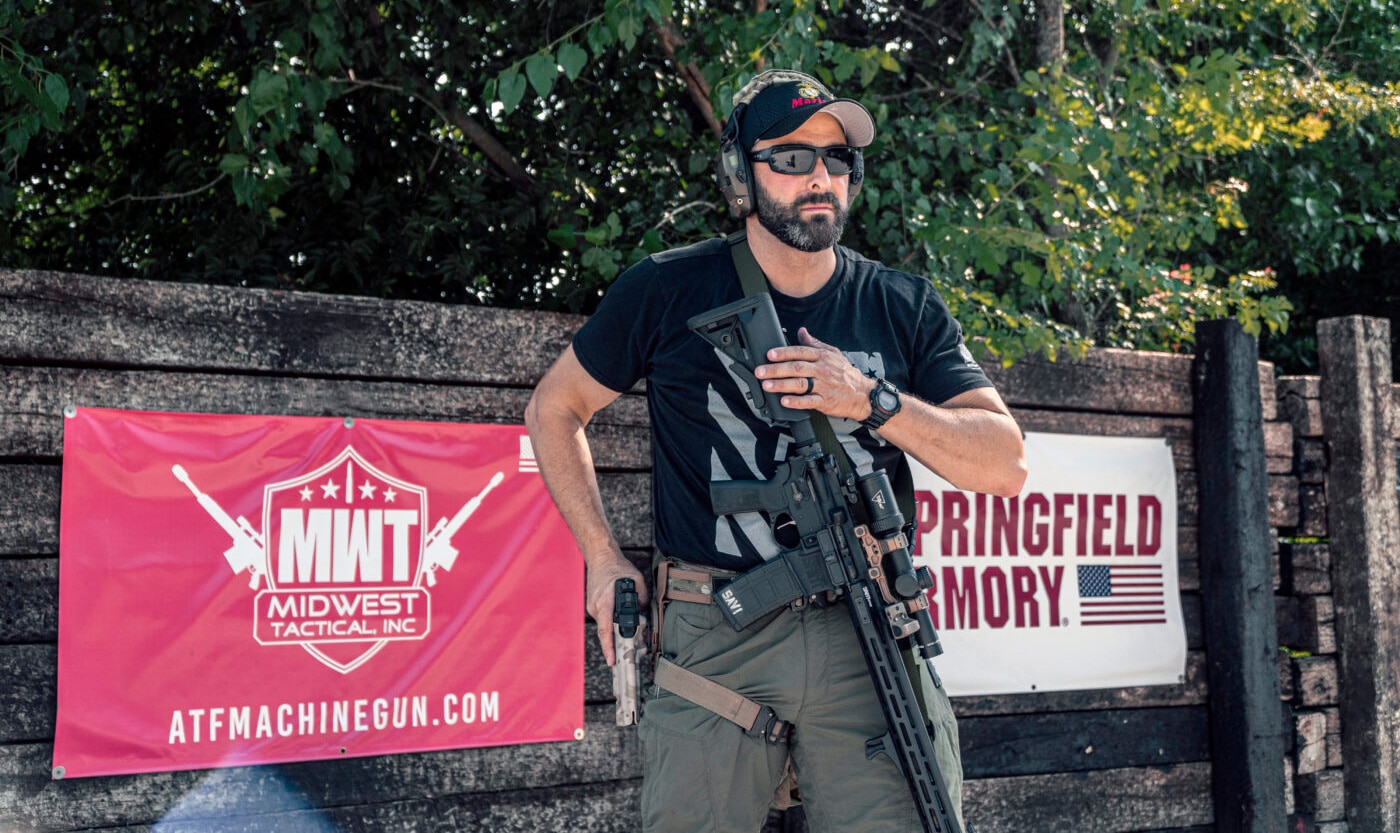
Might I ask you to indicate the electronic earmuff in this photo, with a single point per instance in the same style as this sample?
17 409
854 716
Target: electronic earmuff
733 171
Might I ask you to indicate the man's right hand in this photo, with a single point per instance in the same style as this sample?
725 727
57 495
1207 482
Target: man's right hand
603 571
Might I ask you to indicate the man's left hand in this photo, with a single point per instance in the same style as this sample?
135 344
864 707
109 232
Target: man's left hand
813 375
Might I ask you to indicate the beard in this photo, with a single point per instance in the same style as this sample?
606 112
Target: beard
786 223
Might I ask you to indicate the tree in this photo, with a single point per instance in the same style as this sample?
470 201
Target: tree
1067 173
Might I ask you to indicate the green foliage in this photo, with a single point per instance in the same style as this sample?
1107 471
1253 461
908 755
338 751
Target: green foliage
523 154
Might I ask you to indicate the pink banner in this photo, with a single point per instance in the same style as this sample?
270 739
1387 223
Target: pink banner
257 589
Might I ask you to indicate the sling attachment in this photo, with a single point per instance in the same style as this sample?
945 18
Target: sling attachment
756 720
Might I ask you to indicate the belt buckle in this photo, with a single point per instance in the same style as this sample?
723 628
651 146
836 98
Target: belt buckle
768 726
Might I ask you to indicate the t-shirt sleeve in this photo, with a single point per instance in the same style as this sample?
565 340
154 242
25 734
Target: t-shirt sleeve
615 344
945 367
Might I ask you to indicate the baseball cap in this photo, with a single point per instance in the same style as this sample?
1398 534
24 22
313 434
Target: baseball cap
780 101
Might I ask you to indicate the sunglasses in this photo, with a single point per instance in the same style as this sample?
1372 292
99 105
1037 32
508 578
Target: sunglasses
801 159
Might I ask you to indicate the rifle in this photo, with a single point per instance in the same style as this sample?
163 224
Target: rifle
438 549
246 554
837 533
630 647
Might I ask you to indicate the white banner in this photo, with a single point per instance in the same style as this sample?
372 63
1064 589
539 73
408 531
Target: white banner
1070 585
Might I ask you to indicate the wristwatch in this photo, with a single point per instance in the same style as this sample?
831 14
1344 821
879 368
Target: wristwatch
884 403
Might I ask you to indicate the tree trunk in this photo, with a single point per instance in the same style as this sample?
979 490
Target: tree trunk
1049 32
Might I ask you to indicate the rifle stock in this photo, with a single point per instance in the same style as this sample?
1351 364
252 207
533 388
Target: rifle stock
825 546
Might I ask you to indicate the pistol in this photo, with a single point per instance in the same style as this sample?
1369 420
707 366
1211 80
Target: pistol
629 645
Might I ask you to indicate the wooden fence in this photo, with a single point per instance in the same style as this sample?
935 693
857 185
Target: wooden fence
1107 761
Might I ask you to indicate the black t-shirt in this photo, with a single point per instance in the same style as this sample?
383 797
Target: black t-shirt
703 426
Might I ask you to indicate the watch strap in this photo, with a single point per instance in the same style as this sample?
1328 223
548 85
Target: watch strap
879 414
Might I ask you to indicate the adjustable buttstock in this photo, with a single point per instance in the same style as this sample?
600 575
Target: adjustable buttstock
745 331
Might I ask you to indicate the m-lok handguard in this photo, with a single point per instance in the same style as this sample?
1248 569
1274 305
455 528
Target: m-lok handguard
629 645
837 533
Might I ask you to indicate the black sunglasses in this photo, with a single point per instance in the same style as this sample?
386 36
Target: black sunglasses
801 159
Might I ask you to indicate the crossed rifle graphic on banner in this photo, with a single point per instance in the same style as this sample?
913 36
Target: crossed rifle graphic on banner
248 552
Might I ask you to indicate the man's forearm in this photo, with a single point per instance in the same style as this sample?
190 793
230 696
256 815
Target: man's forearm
566 462
971 447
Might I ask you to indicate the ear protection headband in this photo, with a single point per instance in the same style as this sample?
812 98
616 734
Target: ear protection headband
734 171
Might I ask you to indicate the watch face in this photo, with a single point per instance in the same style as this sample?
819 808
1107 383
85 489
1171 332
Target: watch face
889 400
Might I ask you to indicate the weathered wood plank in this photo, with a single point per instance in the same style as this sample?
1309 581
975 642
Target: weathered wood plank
1282 494
1300 403
607 807
1278 436
1278 447
38 803
29 520
1307 569
1236 579
627 499
1191 692
29 588
1105 801
29 515
1311 461
1076 742
32 400
1106 380
52 318
435 787
29 698
1111 381
1175 429
1363 521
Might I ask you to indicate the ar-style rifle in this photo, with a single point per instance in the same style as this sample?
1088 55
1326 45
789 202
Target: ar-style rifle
245 555
438 552
838 533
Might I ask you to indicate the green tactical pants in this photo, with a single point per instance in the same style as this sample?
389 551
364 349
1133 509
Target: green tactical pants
702 773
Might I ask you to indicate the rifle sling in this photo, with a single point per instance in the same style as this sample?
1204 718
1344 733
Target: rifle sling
755 282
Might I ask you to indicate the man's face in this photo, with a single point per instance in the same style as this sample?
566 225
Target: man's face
805 211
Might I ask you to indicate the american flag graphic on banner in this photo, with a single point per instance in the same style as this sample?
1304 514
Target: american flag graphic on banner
1121 594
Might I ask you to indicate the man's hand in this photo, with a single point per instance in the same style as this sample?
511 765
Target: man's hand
814 375
604 569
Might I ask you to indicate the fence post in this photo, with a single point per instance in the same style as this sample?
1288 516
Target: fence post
1236 549
1363 525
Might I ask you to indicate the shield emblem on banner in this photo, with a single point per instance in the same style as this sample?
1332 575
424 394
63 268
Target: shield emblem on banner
344 562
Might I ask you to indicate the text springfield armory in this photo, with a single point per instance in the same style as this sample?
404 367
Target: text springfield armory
815 510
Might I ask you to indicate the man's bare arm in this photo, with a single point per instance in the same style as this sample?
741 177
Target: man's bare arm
563 403
971 440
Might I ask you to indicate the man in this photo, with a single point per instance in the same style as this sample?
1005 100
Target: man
873 349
